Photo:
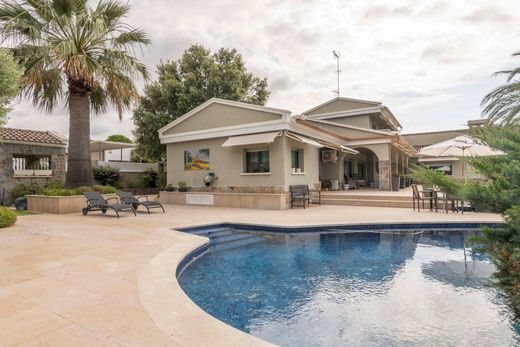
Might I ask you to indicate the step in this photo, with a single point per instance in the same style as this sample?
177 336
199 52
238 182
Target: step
368 203
220 246
233 236
366 197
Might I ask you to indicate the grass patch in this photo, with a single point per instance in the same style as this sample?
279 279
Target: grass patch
24 213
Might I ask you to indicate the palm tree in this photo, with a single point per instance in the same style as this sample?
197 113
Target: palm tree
79 54
502 105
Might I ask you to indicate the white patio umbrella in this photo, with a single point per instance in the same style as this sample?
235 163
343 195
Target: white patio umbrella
461 146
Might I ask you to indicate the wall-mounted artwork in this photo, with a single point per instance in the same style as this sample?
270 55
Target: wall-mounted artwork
195 160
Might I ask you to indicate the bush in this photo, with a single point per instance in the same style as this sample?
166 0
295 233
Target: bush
55 184
169 187
107 175
425 175
24 189
83 189
7 217
59 192
151 179
104 189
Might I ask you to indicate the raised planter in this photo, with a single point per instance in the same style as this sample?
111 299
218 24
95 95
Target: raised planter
265 201
58 204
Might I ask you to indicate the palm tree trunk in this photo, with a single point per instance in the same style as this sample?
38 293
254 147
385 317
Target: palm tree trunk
79 170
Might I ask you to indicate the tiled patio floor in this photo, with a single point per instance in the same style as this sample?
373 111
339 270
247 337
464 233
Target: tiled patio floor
72 280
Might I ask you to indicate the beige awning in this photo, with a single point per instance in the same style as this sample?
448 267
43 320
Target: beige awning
437 159
304 139
99 146
252 139
339 147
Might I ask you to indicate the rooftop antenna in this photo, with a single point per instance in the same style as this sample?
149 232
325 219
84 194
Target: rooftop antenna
337 56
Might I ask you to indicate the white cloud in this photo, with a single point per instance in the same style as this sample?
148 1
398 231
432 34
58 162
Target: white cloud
430 61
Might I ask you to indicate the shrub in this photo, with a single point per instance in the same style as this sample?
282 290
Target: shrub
59 192
104 189
107 175
7 217
151 178
55 184
24 189
84 189
132 183
169 187
425 175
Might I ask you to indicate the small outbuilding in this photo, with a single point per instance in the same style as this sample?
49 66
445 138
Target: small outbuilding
30 156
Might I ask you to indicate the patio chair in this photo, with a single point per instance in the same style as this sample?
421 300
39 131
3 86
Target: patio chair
300 193
455 201
422 195
129 198
96 202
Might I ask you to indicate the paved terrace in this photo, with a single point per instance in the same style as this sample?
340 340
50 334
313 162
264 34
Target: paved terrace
72 280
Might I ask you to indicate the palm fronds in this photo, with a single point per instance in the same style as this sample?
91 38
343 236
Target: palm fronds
502 105
62 42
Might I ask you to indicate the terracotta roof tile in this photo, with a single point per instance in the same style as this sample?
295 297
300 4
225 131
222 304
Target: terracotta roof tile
32 136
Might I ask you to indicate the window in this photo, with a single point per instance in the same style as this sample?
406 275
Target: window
257 161
297 159
446 168
31 165
361 170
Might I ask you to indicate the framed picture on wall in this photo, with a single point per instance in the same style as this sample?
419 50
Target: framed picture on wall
196 159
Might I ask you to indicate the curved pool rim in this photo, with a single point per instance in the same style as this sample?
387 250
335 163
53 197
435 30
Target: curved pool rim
196 253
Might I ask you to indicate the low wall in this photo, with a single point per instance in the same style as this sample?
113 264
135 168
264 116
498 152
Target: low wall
58 204
263 201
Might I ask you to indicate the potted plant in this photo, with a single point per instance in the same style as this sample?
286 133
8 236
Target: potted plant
183 187
169 188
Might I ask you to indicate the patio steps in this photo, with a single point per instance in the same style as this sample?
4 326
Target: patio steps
368 200
227 238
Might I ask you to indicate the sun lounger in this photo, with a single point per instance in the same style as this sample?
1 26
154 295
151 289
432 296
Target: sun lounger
129 198
96 202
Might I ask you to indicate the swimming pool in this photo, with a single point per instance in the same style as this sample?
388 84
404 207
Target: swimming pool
334 286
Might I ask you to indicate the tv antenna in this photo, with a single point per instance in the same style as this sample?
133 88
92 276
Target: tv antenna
337 56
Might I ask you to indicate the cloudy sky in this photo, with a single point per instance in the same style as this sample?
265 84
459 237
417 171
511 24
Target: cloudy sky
429 61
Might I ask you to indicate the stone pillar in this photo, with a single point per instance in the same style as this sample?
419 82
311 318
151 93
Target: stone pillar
385 175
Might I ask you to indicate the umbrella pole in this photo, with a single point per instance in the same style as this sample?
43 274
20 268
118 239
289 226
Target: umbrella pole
463 164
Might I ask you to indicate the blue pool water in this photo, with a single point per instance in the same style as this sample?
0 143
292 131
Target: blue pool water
351 289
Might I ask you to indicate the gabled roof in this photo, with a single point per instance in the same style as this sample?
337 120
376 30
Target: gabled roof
368 102
36 137
372 107
223 102
346 126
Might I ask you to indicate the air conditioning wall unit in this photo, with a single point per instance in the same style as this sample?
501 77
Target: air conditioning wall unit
329 155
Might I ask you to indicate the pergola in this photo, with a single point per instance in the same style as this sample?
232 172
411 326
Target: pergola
100 147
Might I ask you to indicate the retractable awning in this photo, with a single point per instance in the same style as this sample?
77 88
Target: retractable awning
437 159
339 147
304 139
252 139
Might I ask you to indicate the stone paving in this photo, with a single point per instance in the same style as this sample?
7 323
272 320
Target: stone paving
73 280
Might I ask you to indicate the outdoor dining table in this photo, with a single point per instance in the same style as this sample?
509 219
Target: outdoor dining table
433 194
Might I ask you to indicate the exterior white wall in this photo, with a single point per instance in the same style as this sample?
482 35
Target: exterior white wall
311 162
228 164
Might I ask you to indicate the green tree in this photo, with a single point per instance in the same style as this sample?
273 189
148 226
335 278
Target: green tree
502 105
119 138
10 73
502 195
186 83
77 53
